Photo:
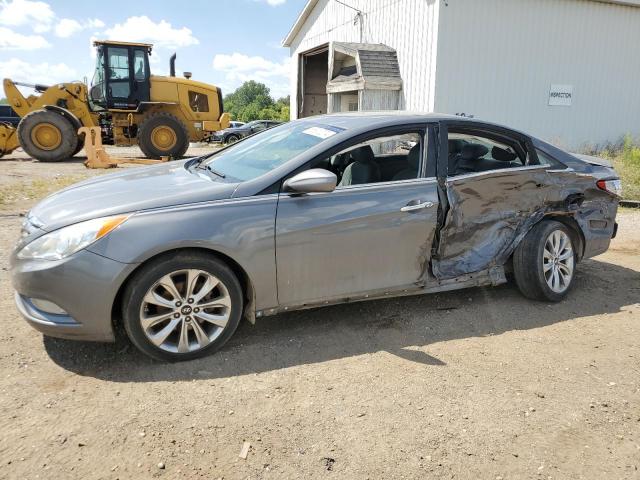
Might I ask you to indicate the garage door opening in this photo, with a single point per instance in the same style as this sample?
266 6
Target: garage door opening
312 87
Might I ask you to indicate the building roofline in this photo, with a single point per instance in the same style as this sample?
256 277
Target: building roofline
306 11
295 29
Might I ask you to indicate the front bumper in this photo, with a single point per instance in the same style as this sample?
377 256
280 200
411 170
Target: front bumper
84 285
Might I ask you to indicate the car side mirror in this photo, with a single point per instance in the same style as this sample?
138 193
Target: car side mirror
314 180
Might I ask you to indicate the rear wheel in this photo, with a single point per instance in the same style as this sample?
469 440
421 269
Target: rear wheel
163 135
182 307
47 136
544 262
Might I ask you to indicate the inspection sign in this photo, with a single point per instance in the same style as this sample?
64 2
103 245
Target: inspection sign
560 95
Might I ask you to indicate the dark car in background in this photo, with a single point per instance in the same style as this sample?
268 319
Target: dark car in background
7 115
233 134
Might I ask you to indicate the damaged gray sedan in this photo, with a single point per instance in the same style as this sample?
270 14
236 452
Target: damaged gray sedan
318 211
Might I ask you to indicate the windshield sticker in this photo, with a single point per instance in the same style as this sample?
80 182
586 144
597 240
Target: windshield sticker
319 132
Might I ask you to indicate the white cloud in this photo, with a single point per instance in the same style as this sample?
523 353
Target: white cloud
44 73
10 40
67 27
19 13
239 68
143 29
94 23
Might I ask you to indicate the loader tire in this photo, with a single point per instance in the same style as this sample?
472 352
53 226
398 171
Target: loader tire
47 136
163 135
79 147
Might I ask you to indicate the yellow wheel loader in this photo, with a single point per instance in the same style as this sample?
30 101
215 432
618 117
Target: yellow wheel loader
129 105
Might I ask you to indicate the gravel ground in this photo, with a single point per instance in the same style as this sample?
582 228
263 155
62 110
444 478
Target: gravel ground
478 383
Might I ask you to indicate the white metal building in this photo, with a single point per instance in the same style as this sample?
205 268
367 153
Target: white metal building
567 71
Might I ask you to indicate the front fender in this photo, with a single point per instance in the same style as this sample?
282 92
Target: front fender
242 229
75 121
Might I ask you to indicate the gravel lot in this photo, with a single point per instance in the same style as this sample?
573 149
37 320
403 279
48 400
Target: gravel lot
479 383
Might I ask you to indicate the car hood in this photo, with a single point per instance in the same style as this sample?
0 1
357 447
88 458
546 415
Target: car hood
128 191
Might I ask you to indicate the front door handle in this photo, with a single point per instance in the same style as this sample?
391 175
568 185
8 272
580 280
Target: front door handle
417 206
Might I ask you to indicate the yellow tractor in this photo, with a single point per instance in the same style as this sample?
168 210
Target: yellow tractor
128 104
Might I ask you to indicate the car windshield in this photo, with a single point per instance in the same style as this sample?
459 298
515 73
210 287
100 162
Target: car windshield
268 150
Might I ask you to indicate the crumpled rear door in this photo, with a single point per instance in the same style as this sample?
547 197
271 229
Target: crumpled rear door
488 214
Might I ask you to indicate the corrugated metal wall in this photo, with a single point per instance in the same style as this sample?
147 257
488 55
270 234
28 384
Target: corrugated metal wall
498 58
409 26
378 100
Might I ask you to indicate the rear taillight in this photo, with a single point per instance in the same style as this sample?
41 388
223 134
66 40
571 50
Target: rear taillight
612 186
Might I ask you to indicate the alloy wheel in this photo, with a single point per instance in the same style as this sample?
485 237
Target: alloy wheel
558 261
185 311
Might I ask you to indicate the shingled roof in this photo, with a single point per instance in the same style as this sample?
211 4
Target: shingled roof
376 67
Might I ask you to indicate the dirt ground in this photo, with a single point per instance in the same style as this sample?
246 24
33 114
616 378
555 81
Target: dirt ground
478 383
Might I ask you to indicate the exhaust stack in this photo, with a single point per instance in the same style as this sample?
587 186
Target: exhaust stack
172 65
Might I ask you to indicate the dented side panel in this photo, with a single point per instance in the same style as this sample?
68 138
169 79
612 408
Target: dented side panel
593 210
489 213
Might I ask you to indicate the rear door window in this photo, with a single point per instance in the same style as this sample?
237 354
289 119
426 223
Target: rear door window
476 152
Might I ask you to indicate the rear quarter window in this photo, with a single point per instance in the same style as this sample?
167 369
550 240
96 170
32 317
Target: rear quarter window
549 161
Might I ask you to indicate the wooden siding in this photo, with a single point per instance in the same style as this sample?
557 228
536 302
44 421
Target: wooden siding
408 26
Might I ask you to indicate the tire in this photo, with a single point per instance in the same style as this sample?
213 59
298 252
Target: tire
233 138
79 147
536 259
163 135
47 136
182 315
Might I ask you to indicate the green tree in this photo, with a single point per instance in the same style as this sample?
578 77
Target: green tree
253 101
3 101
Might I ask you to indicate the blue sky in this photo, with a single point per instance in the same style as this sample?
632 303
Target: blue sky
223 42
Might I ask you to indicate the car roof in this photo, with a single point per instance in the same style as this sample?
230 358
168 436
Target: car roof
390 118
378 118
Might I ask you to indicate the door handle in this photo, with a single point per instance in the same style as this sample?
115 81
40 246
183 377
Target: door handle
417 206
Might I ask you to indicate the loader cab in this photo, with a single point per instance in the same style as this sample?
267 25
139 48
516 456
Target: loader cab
122 78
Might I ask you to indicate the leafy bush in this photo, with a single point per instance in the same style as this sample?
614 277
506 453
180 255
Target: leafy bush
625 156
253 101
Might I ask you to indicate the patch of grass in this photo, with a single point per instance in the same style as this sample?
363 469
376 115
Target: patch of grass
627 164
625 157
26 192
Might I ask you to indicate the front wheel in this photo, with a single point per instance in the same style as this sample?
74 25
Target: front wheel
47 136
544 262
232 139
182 307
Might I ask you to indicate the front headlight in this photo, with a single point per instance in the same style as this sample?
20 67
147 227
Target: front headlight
68 240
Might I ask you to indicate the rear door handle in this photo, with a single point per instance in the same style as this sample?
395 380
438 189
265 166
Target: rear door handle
417 206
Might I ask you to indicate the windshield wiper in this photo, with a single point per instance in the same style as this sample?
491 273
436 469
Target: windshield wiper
209 168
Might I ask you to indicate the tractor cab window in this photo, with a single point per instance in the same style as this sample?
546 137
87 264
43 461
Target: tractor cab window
139 67
198 101
98 92
118 63
118 72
